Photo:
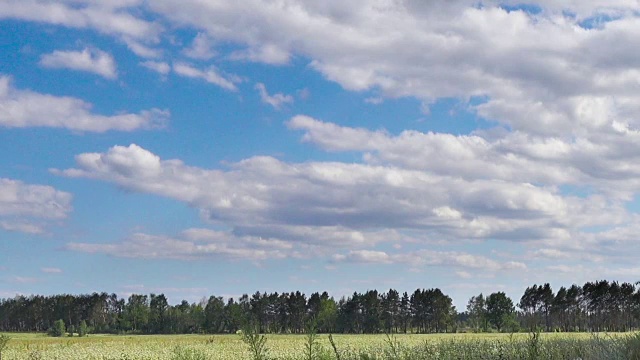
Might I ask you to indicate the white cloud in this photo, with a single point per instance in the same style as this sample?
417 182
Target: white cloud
192 245
265 193
422 258
23 280
107 17
314 207
28 208
303 94
21 226
431 51
332 236
254 243
24 108
364 256
122 19
51 270
141 49
210 75
33 201
605 159
374 100
265 53
424 50
566 269
160 67
201 48
90 60
551 254
275 100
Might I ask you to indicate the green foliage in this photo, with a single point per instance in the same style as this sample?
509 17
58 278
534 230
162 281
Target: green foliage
510 324
533 346
632 346
311 343
58 329
477 310
499 308
394 350
327 315
256 343
136 313
71 330
83 329
184 353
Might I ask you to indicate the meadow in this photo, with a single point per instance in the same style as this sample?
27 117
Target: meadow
347 347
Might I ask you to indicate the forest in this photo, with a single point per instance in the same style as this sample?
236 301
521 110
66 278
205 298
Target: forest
595 306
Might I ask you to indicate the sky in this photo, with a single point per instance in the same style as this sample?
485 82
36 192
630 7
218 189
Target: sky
198 148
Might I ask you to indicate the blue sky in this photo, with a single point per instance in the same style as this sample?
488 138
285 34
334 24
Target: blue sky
198 148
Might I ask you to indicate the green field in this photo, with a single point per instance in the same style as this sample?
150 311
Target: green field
231 347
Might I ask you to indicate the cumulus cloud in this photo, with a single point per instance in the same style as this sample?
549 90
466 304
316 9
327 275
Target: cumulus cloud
90 60
275 100
210 75
24 108
604 159
262 193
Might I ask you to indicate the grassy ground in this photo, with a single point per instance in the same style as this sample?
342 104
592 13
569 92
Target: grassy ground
231 347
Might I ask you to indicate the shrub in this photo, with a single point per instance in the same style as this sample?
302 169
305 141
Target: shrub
83 329
311 345
256 343
58 329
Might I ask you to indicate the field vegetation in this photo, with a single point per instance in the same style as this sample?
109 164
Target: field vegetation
325 347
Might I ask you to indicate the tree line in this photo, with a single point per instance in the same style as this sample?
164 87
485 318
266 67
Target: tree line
595 306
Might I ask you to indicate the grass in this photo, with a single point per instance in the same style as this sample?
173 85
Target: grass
345 347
